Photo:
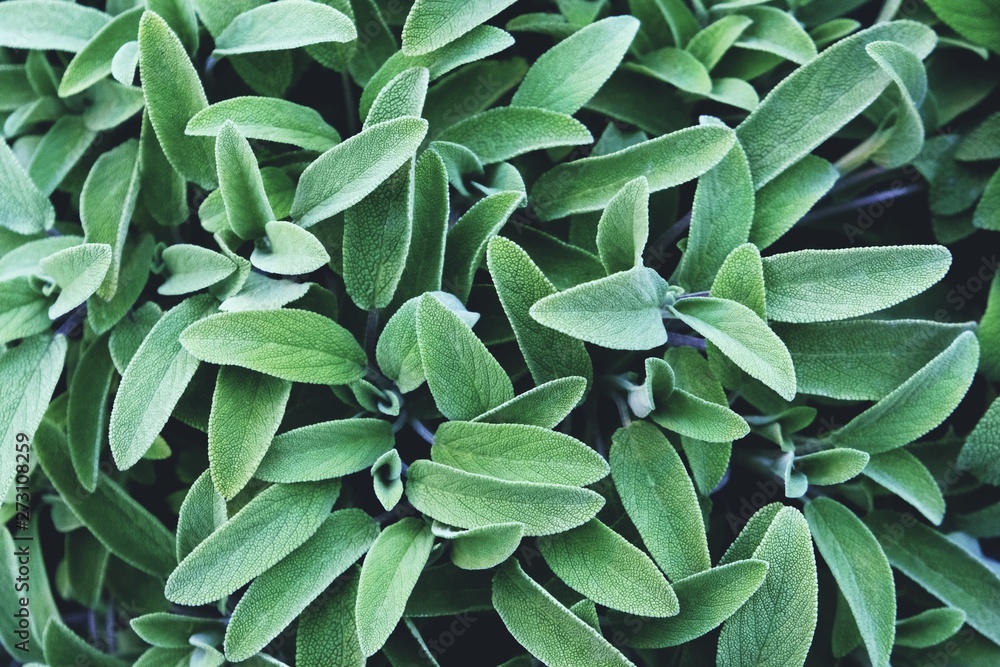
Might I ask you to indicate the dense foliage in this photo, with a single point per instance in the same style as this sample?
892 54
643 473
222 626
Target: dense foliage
482 332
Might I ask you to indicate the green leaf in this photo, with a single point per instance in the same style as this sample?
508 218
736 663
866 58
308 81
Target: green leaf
590 183
79 272
861 571
602 565
706 599
256 538
121 524
467 239
659 498
425 256
294 345
621 311
816 100
388 575
93 62
546 405
903 473
192 268
623 228
24 311
280 594
929 628
126 338
25 209
517 453
386 474
64 647
289 250
833 466
988 209
290 25
240 183
106 205
247 408
775 627
153 383
431 24
201 513
863 359
348 172
940 567
125 63
975 20
711 43
49 25
480 42
87 410
743 337
404 95
695 417
267 118
173 95
776 31
464 378
720 220
505 132
916 406
825 285
675 67
66 142
165 630
550 631
904 140
788 197
520 284
565 77
327 633
467 500
979 454
481 548
377 238
325 450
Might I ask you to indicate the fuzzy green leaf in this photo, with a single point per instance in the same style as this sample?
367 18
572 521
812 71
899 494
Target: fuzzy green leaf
295 345
621 311
325 450
25 209
979 454
464 378
941 567
590 183
87 410
623 228
467 500
173 95
565 77
327 633
404 95
254 539
153 383
79 272
976 20
425 257
202 511
520 284
192 268
825 285
122 525
517 453
602 565
789 196
546 405
93 62
481 548
277 596
706 599
659 498
241 184
247 408
775 627
861 571
505 132
348 172
432 24
916 406
818 99
743 337
290 250
929 628
905 475
553 633
388 575
49 25
280 27
267 118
